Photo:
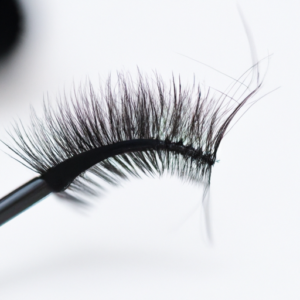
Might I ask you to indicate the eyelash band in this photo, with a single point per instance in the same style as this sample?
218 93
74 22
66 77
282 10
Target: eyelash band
144 126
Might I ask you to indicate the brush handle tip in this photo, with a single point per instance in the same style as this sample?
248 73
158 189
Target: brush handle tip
22 198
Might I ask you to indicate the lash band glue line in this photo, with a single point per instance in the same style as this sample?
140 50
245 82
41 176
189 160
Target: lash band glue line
60 177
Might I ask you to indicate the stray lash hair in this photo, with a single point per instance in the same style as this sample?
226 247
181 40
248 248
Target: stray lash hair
135 126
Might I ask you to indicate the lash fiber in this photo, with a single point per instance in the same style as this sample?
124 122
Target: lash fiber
175 129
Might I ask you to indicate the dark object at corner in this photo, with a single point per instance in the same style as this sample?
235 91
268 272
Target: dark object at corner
11 26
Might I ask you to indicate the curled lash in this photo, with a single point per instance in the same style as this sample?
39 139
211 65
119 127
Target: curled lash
144 125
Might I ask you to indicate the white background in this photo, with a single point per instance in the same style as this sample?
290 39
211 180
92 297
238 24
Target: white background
144 240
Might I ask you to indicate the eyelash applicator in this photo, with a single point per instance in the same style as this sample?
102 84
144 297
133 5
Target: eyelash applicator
143 126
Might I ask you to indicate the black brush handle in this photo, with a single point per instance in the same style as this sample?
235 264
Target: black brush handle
23 197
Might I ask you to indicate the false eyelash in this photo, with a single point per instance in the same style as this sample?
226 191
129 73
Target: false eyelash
144 125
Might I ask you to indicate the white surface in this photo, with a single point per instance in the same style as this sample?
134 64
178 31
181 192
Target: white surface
134 244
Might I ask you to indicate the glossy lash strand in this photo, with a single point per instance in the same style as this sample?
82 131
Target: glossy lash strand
132 128
62 175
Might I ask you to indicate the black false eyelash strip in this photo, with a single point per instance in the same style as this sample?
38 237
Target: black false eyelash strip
136 126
